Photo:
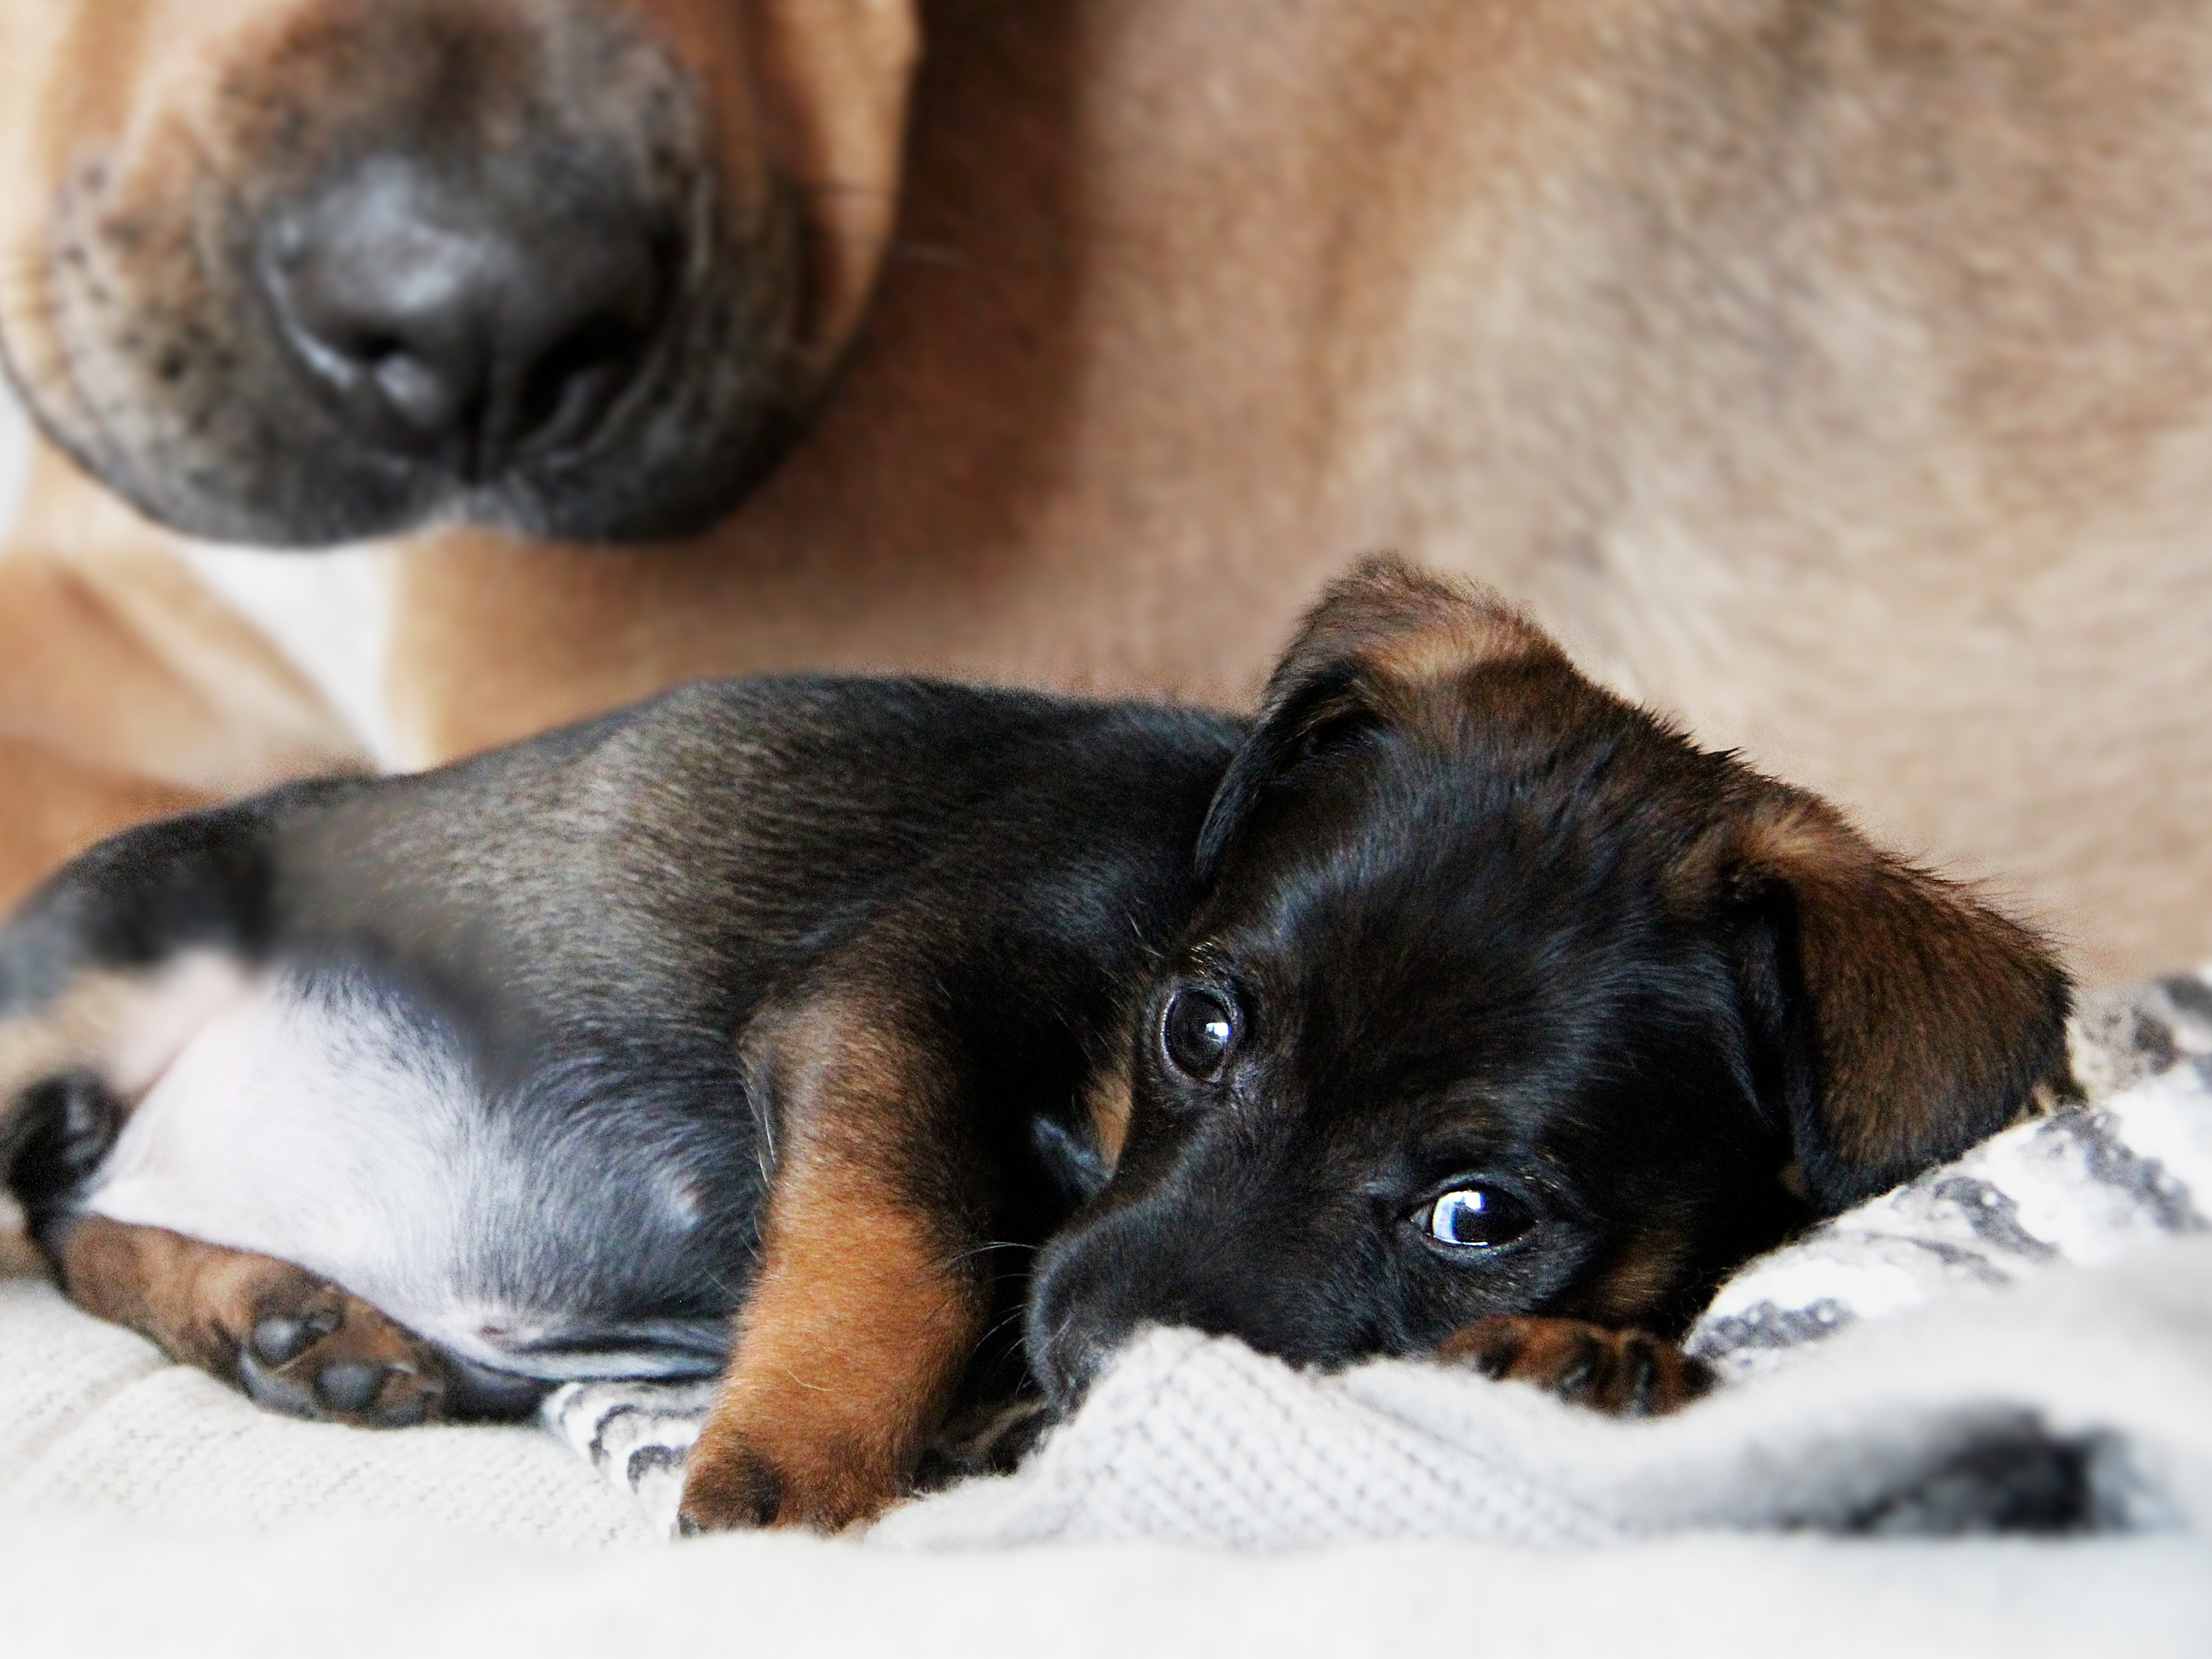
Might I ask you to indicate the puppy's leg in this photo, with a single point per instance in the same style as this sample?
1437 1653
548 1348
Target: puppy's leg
868 1299
295 1343
105 973
1627 1373
105 976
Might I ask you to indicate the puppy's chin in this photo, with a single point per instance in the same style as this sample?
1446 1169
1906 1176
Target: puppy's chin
372 269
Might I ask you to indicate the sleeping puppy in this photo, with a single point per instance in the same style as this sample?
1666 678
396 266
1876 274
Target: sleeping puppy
1452 990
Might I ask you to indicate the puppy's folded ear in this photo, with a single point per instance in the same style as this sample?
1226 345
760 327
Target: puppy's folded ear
1380 638
1907 1020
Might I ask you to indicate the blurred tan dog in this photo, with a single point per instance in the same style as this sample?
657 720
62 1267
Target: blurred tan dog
1837 374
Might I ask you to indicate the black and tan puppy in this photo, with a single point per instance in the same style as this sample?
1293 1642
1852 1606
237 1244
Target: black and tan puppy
1504 999
1453 988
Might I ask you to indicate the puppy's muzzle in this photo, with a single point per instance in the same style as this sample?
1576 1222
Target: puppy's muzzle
1103 1279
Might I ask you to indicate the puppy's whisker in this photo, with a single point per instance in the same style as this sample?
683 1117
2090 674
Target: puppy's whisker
975 1250
1013 1319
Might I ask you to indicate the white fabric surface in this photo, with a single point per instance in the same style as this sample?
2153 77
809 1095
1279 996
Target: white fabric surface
95 1422
146 1511
1195 1440
71 1591
2087 1185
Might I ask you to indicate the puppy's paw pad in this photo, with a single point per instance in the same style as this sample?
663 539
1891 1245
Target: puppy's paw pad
322 1354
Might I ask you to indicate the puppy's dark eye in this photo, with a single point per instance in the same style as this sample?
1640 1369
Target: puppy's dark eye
1197 1032
1476 1219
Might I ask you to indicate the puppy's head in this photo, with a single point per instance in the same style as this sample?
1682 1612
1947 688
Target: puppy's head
1506 998
301 271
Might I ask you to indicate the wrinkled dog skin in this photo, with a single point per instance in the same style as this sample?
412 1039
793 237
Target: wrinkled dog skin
301 271
1453 1005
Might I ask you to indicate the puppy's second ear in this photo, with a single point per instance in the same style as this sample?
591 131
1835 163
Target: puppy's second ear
1911 1020
1381 643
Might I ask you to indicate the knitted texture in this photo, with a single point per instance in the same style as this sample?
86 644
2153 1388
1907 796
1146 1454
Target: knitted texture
1944 1420
93 1421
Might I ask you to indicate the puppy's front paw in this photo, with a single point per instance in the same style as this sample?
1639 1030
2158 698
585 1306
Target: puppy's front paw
725 1489
776 1474
314 1351
295 1343
1627 1373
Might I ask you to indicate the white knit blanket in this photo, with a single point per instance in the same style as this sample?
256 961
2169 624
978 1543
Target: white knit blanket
2017 1382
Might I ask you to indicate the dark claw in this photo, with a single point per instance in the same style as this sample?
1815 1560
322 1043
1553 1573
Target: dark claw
349 1386
1494 1359
742 1491
272 1390
1644 1378
1574 1380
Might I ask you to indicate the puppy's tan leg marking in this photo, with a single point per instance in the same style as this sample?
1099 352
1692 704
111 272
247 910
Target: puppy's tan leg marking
863 1310
855 1336
1627 1373
296 1342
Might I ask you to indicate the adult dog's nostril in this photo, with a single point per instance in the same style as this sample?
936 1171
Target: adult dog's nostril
460 323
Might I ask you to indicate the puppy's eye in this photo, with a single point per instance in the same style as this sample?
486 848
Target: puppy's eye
1197 1032
1476 1219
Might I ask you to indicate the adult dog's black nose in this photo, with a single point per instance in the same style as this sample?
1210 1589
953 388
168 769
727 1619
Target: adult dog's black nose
463 323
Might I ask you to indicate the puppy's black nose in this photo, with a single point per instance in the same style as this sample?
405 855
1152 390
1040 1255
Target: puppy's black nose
464 322
1068 1366
1084 1303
